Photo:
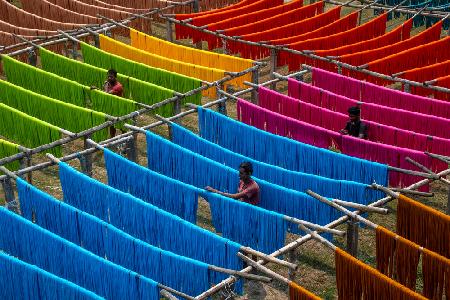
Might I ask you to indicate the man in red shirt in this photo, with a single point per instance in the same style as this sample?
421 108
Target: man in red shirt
248 189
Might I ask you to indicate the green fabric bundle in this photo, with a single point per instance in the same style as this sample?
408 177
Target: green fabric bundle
89 75
26 130
8 149
64 115
170 80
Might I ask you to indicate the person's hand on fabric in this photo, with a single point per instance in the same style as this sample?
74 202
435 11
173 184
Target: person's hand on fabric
210 189
343 131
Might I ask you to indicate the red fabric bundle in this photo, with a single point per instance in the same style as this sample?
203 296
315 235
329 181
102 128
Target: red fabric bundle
375 27
360 58
46 9
246 23
16 16
400 33
443 82
297 28
425 74
193 15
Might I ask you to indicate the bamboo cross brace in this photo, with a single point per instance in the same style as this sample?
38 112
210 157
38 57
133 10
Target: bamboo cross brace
263 269
361 207
405 191
317 237
422 167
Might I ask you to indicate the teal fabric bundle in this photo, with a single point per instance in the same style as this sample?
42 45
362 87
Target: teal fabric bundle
181 273
25 281
58 113
89 75
340 189
170 80
172 160
286 153
164 192
27 130
8 149
147 222
35 245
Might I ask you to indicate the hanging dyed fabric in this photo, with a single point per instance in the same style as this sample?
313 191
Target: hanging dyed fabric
340 189
170 80
27 130
297 292
426 73
148 223
356 280
423 225
286 153
181 273
8 149
170 195
31 282
397 257
436 275
37 246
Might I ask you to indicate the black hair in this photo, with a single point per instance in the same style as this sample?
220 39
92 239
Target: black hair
247 166
112 72
354 110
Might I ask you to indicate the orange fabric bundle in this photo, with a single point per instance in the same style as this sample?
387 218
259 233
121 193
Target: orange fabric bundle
356 280
400 33
6 27
426 73
203 13
297 292
423 225
436 275
300 27
397 257
375 27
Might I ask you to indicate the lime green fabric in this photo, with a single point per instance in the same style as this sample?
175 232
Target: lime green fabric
8 149
27 130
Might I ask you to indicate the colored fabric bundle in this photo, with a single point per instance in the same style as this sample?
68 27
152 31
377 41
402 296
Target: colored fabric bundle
193 56
164 158
286 153
181 273
123 50
423 225
9 28
26 130
88 75
170 195
367 31
422 55
64 115
356 280
436 275
311 18
359 58
47 251
26 281
398 34
170 80
443 82
397 257
426 73
361 90
297 292
147 222
298 181
8 149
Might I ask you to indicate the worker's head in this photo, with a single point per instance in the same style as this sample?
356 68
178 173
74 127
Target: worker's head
245 171
354 113
112 76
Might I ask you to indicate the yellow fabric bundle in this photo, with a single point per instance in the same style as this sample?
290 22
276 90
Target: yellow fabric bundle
193 56
200 72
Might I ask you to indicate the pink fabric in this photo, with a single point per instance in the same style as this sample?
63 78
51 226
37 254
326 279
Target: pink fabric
368 92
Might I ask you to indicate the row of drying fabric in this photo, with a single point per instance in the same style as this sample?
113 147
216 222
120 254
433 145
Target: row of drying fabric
105 240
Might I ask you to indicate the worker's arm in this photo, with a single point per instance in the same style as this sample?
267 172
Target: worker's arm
233 196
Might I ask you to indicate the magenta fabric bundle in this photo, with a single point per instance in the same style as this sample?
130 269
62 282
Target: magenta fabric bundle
317 136
368 92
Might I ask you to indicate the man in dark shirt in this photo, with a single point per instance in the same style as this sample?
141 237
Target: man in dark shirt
355 127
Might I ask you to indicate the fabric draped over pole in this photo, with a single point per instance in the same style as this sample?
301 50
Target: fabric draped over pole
297 292
8 149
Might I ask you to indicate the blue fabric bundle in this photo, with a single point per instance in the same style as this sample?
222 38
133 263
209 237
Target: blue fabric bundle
177 162
340 189
181 273
148 223
24 281
170 195
286 153
37 246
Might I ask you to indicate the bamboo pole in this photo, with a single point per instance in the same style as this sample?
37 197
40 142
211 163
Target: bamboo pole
315 236
168 295
314 226
422 167
262 269
239 274
361 207
410 172
417 193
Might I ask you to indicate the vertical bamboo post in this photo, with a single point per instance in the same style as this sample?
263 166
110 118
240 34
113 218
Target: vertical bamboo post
255 80
132 144
74 49
96 40
407 88
352 237
291 257
299 77
8 190
222 107
169 30
32 56
339 69
28 163
86 159
273 66
224 46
